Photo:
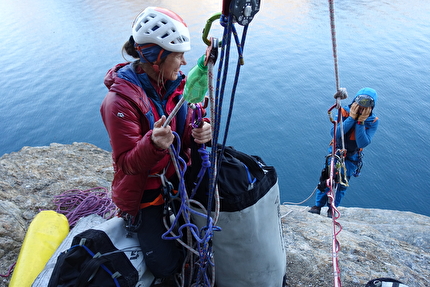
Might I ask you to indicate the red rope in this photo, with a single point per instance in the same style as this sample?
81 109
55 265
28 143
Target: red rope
333 40
9 271
337 228
340 94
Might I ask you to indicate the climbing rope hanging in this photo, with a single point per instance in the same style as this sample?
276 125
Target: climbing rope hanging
335 159
198 240
198 243
234 11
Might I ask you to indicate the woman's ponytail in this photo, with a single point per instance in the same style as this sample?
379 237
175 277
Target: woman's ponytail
129 48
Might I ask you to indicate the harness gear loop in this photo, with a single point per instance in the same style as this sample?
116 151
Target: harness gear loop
159 200
340 165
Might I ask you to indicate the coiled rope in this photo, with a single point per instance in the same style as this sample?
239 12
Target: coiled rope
76 203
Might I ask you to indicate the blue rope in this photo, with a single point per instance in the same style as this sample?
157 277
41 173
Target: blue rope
206 163
204 154
219 97
202 236
229 30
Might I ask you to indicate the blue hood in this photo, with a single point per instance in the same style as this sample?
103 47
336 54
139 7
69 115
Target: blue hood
367 91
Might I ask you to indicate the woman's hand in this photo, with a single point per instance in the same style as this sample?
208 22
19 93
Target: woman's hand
161 137
202 134
365 113
354 110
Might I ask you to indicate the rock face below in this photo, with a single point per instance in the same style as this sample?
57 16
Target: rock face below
373 243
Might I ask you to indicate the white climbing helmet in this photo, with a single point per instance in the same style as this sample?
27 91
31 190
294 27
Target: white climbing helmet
162 27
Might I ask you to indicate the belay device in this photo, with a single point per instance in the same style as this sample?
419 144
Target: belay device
244 10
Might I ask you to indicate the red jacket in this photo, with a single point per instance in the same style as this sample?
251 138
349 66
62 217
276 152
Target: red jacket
134 155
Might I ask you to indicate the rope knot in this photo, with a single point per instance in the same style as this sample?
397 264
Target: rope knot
204 154
341 94
223 20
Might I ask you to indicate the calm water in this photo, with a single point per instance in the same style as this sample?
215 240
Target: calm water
54 55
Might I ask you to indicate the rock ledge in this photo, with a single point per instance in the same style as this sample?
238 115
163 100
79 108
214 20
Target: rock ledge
374 243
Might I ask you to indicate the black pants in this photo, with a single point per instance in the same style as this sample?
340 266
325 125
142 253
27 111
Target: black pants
162 257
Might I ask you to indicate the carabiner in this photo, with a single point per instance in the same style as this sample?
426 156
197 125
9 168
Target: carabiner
207 28
197 116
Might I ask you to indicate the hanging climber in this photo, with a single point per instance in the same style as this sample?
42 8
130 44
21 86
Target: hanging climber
359 127
141 95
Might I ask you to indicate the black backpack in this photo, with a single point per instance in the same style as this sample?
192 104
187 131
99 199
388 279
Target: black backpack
93 260
242 179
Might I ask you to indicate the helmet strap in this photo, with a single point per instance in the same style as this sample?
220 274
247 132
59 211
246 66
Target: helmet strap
156 64
159 56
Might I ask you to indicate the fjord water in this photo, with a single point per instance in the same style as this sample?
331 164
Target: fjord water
54 55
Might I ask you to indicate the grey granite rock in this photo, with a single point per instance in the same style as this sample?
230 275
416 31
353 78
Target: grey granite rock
373 243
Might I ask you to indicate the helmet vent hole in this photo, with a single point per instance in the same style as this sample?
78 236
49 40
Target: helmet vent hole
180 40
137 28
148 18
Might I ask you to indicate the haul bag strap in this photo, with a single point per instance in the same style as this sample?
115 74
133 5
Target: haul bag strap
90 269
